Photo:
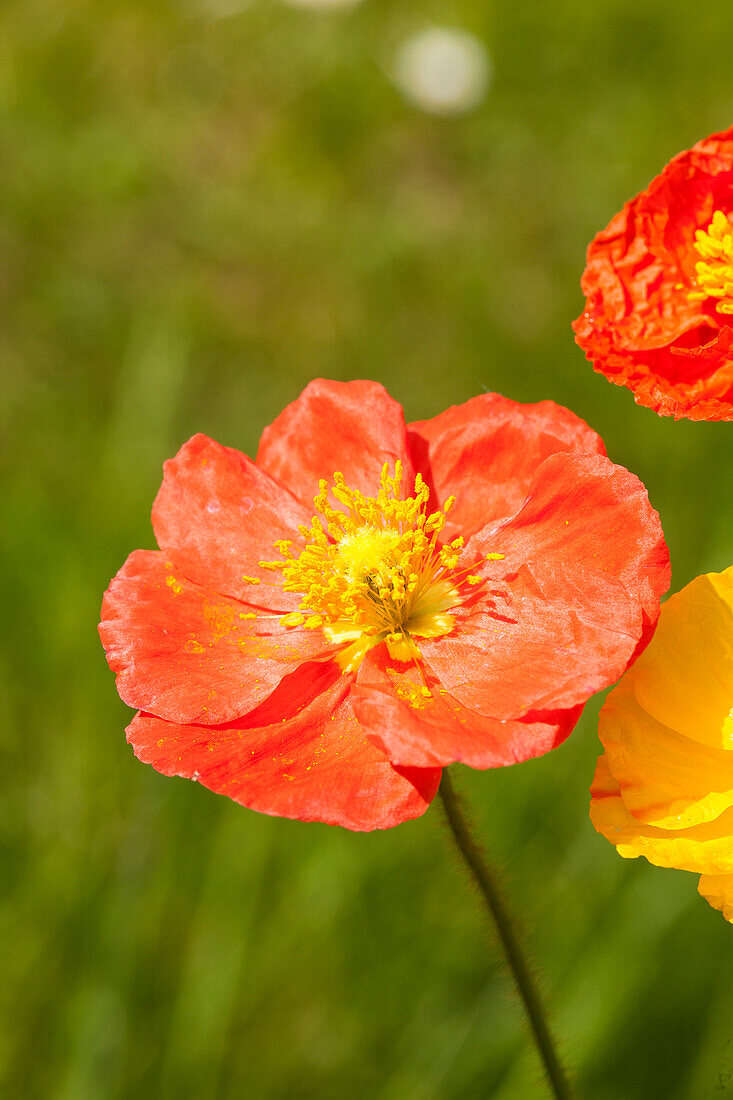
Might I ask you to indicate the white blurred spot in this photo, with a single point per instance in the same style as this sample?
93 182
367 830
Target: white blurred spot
322 3
443 71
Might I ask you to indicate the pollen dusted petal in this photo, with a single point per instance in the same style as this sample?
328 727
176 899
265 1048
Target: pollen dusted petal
302 755
487 451
354 427
417 722
217 515
187 653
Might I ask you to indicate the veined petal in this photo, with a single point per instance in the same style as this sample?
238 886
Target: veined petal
486 453
417 722
301 755
666 779
217 515
188 654
705 848
584 511
539 641
685 677
349 427
574 596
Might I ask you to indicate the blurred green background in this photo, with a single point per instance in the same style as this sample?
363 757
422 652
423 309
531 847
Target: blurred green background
204 204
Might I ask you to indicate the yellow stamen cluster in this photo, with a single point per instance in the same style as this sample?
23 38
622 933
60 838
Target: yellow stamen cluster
714 271
372 570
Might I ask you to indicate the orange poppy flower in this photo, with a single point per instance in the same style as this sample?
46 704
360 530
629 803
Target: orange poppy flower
323 629
658 283
664 785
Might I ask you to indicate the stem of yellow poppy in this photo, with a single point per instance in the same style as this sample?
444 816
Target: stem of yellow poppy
521 971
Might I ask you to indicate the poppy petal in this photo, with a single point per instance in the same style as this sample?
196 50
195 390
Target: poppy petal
301 755
352 427
217 515
692 647
584 511
547 642
579 584
666 779
718 891
417 722
188 654
487 451
706 848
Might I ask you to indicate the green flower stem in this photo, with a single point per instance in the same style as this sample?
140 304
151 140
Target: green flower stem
525 980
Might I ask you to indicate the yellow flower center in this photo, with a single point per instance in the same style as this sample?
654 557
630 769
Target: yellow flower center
714 269
373 570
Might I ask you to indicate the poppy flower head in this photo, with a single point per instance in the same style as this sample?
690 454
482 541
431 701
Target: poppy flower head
659 288
664 785
325 628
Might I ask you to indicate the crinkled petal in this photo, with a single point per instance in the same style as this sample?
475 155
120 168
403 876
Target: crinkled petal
692 383
217 515
417 722
584 511
188 654
486 453
572 601
639 327
705 848
301 755
350 427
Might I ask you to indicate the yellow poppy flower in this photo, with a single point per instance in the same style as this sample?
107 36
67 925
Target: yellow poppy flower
663 787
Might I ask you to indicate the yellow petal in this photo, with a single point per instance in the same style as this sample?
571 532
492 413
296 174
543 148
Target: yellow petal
706 848
718 890
666 779
684 678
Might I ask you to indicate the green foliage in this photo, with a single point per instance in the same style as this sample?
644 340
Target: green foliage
199 213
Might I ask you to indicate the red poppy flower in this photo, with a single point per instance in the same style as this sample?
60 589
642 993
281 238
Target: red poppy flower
324 628
659 289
